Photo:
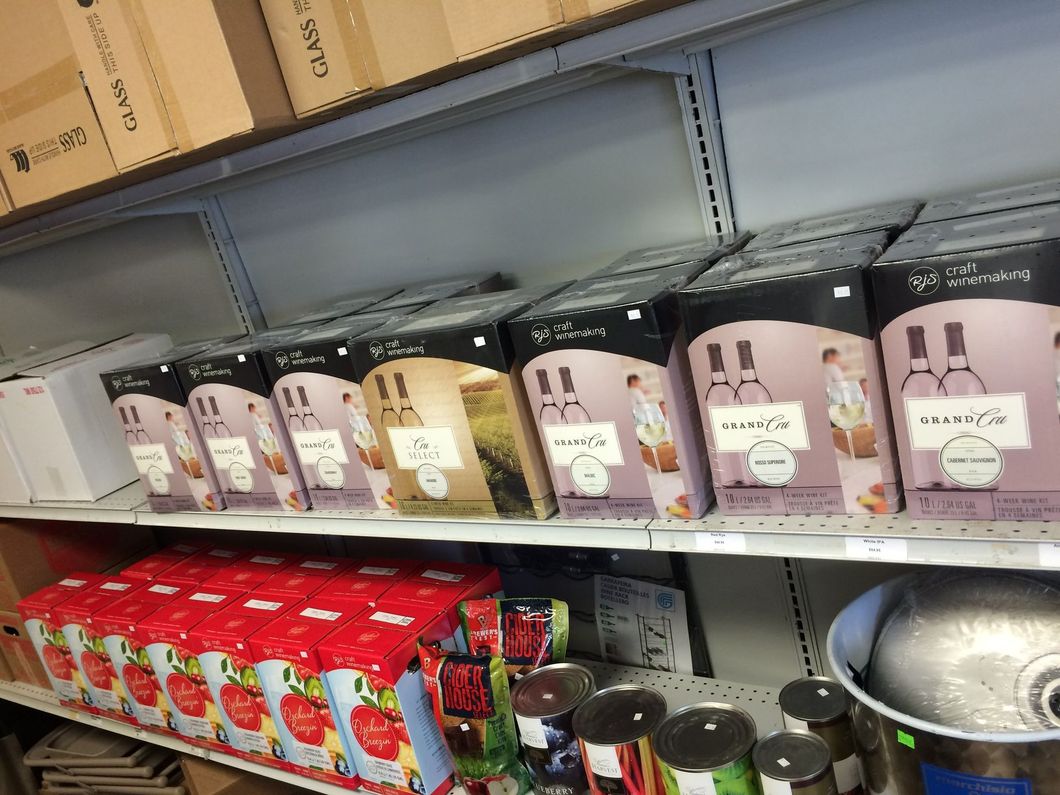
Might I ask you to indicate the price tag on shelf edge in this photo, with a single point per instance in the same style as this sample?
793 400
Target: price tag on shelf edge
1049 554
721 542
868 548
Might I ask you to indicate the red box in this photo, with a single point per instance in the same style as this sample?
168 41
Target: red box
323 564
152 566
269 562
238 577
38 614
426 622
481 576
193 570
222 649
116 624
212 597
164 634
325 610
163 591
262 605
443 598
289 668
354 587
184 549
390 568
221 556
300 586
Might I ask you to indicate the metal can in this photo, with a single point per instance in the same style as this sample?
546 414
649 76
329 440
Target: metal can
544 702
794 762
614 729
819 705
705 749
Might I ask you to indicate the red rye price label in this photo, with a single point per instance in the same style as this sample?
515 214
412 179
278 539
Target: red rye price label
57 664
139 685
301 719
95 670
374 733
186 696
240 707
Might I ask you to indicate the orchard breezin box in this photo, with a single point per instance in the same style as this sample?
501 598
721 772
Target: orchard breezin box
625 441
970 312
787 377
242 428
314 383
163 436
444 393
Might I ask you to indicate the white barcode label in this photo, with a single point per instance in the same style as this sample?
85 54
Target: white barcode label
206 597
391 618
114 586
166 589
70 582
435 574
266 560
379 571
323 615
261 604
318 564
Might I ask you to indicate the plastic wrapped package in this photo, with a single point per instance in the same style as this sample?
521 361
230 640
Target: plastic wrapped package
978 651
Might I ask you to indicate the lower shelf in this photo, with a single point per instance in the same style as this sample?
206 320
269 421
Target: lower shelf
679 690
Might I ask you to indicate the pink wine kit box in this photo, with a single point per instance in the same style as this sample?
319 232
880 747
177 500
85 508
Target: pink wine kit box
242 429
606 371
788 381
970 312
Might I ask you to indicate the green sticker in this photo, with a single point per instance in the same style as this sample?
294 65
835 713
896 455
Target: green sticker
906 739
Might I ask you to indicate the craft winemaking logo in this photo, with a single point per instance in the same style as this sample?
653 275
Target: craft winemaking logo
924 280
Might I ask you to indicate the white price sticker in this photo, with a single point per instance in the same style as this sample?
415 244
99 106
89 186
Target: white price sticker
721 542
391 618
323 615
207 597
862 548
166 589
262 604
1049 555
70 582
115 586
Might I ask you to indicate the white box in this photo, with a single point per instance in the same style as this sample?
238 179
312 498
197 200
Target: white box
58 420
14 487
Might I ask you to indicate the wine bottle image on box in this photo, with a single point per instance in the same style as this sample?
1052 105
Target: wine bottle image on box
550 414
573 411
591 474
750 391
408 416
130 437
959 379
208 431
920 383
294 421
309 419
142 436
219 427
388 418
732 467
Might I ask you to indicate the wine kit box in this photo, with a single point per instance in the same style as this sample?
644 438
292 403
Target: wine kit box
437 291
313 381
18 652
892 218
1013 197
45 632
444 391
787 374
646 259
379 702
290 671
163 435
358 304
242 430
970 316
59 422
625 442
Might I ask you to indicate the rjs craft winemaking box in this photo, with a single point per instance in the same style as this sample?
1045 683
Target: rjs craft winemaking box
445 396
970 312
788 382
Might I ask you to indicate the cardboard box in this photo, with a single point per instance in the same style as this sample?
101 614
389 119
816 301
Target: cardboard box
969 312
219 644
18 651
60 423
211 778
313 379
762 332
402 41
289 669
478 27
38 614
318 51
50 139
372 669
36 554
250 445
220 44
120 82
626 441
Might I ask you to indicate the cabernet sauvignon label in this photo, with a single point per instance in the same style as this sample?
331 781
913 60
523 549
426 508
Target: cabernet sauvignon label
739 428
436 445
597 439
999 419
